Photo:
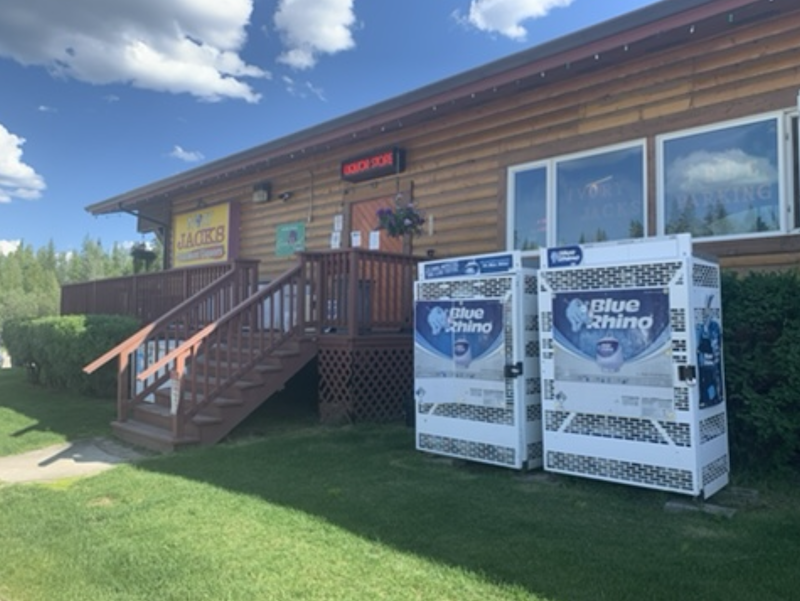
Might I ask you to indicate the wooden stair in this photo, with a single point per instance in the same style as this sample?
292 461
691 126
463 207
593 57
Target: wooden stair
151 425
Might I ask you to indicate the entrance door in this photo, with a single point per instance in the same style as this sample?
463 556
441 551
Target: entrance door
364 219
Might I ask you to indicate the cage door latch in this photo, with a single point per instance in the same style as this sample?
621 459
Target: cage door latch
688 374
513 371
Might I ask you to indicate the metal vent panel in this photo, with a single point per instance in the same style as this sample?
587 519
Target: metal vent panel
706 276
622 471
488 288
473 413
603 278
713 427
677 320
715 470
467 449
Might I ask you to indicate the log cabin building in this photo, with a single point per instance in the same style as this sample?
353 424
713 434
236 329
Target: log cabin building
681 116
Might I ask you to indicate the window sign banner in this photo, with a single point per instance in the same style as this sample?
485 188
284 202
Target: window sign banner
202 236
290 238
612 352
459 351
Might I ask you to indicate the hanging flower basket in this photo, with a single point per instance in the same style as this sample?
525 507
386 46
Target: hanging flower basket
143 257
401 221
142 253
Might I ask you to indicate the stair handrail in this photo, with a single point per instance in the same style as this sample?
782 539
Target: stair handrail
133 341
243 274
192 342
203 393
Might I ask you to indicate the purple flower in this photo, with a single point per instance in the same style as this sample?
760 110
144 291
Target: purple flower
400 221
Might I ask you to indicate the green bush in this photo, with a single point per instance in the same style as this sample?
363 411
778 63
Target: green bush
761 313
55 349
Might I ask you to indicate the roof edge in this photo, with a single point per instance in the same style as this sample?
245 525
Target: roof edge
665 15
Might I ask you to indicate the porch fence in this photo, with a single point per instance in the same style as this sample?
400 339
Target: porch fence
148 296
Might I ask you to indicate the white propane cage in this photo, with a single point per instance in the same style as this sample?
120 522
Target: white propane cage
476 360
631 360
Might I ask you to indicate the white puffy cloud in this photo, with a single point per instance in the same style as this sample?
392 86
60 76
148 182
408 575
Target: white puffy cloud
9 246
189 156
506 16
177 46
309 28
701 170
17 180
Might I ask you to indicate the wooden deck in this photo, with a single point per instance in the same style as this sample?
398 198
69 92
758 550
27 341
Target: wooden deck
148 296
198 369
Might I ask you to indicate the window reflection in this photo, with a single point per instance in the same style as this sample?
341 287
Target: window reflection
600 197
530 208
722 182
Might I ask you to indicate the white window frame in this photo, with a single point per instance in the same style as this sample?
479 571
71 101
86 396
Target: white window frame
784 171
511 203
792 154
550 165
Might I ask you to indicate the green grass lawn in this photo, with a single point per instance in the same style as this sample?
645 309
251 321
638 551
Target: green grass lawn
355 513
32 417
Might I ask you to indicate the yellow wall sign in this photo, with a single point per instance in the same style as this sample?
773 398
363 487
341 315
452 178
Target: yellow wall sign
202 236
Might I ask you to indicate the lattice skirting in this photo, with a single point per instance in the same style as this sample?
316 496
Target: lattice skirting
366 378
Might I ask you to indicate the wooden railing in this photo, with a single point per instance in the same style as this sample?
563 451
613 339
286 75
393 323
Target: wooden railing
151 343
145 296
361 290
232 346
348 292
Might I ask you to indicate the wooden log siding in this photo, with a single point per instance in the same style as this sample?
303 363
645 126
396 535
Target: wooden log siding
457 163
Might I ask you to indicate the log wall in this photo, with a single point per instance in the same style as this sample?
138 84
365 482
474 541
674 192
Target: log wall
457 163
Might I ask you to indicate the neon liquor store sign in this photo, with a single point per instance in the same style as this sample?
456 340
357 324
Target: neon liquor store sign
374 164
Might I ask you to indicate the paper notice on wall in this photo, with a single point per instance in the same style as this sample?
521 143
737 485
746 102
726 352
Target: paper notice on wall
375 240
355 239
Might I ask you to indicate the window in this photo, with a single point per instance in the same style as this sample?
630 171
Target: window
722 181
528 191
795 154
600 196
591 197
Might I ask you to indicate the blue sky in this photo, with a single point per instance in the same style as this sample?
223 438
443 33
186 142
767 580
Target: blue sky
98 98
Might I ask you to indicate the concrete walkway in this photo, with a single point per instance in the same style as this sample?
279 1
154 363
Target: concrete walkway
68 460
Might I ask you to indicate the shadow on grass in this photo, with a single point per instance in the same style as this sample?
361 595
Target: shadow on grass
34 416
560 538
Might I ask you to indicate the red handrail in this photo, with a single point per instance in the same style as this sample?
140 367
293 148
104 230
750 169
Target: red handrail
346 292
189 316
235 343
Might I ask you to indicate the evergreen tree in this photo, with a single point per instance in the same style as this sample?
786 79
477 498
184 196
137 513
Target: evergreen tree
31 280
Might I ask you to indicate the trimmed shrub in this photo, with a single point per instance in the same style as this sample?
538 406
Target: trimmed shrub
761 313
55 349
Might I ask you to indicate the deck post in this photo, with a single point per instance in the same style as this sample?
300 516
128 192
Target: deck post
352 295
123 386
